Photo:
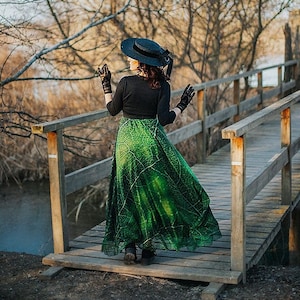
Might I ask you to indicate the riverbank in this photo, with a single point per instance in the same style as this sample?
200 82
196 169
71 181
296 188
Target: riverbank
20 279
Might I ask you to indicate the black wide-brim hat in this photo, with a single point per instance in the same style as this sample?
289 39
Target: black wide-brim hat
146 51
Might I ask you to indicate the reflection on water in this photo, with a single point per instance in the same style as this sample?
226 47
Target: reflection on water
25 219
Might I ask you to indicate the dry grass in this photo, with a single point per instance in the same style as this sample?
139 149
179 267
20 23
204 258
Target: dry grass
23 156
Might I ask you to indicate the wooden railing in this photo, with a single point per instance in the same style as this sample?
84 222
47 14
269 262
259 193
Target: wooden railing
243 193
62 184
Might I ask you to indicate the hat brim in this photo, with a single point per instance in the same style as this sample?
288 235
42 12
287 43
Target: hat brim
127 47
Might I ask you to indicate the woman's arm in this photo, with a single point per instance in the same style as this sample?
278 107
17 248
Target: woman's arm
164 114
114 104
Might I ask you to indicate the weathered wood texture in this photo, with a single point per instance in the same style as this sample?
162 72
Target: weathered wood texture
57 190
50 273
237 134
238 203
247 124
264 215
244 240
97 171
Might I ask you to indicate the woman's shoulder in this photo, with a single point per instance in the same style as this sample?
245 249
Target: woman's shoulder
165 84
129 78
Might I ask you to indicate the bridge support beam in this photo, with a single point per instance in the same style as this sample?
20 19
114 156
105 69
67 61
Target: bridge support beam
238 206
294 236
201 137
286 173
57 191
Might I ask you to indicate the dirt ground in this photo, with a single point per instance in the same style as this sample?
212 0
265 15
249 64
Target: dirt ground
20 279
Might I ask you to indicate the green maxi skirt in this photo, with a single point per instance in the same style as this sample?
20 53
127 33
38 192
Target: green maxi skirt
153 194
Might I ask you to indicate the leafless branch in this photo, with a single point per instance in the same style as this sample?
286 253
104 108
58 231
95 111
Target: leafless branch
65 41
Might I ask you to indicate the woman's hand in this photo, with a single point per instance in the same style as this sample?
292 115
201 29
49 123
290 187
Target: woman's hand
105 77
186 98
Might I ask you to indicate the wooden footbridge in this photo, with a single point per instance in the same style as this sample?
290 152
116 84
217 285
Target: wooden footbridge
253 183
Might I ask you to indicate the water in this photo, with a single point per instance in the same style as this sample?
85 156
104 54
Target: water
270 77
25 219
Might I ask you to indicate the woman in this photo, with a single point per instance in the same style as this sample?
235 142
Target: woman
153 193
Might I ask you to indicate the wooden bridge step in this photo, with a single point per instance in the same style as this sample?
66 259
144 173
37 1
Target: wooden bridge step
168 269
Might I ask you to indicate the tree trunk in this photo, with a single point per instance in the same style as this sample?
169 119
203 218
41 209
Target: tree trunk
288 55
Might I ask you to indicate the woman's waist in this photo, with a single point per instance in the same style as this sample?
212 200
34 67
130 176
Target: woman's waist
135 116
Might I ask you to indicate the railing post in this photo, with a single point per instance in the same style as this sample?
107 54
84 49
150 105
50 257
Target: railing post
236 99
297 75
238 206
57 191
294 237
286 173
201 137
260 89
279 80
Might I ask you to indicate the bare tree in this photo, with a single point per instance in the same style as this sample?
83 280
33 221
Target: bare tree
211 38
49 54
52 43
68 34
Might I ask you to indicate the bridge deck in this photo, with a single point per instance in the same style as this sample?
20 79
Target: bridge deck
264 215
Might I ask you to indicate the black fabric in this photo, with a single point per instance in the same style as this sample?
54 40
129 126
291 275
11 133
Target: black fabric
139 101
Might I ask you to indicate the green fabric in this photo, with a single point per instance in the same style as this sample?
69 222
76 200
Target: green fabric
154 195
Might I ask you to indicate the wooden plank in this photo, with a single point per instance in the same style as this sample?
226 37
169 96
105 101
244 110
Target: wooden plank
202 136
286 173
221 116
249 123
57 192
229 79
185 132
207 254
287 86
84 245
217 250
87 175
166 255
236 99
212 291
193 261
238 241
260 252
249 103
265 174
155 270
99 170
186 259
260 90
295 147
50 273
263 217
271 93
68 121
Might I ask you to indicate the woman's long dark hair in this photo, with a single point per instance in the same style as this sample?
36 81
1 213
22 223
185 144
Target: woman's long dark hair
153 74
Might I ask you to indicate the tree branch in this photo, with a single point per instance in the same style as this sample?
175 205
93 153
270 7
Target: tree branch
65 41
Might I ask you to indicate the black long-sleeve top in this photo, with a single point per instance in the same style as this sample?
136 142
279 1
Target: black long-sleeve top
139 101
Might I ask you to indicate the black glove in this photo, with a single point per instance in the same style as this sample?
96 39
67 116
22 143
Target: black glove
105 77
186 98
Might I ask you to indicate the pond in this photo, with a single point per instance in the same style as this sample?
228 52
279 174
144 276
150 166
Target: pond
25 218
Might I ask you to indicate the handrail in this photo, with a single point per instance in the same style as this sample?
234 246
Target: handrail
243 193
232 78
62 184
250 122
69 121
91 116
